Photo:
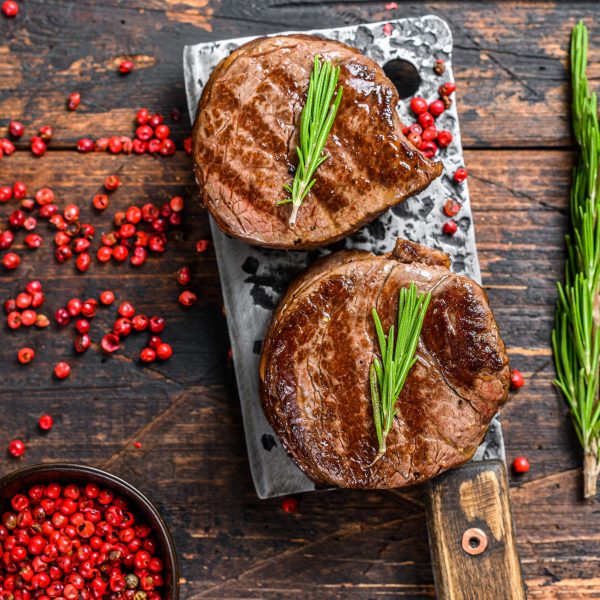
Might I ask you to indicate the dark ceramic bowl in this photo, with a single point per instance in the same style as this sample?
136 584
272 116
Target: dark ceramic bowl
22 479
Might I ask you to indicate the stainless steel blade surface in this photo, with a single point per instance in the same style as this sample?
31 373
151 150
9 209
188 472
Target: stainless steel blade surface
253 279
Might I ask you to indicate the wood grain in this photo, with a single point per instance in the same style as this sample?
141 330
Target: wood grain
510 64
511 75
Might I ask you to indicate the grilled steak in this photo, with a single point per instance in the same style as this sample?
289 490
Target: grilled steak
246 133
314 371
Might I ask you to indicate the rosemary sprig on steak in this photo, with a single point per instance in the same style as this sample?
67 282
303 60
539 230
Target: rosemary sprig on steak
576 335
315 124
388 374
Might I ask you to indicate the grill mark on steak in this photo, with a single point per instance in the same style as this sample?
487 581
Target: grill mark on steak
314 370
319 371
252 119
247 123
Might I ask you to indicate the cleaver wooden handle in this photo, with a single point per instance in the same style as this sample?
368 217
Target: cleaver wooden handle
472 535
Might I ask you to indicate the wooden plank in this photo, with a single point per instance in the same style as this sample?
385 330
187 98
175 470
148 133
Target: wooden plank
510 64
358 545
510 61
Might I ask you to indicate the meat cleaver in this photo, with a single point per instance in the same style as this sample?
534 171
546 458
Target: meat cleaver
472 539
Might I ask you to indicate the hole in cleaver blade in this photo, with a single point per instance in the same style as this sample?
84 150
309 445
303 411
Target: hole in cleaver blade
404 76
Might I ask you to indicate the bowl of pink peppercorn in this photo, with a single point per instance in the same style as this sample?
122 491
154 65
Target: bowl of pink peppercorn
75 532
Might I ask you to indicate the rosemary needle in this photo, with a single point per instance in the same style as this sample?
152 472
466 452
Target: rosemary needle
315 124
388 373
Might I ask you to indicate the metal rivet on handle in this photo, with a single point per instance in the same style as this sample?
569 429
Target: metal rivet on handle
474 541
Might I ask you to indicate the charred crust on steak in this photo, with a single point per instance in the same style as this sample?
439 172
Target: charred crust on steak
245 136
316 357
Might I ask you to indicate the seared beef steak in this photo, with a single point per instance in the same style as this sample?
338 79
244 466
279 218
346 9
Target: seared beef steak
246 133
314 371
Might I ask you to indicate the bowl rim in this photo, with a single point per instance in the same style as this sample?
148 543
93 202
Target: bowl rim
113 479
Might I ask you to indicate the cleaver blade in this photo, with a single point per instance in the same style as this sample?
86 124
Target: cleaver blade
253 279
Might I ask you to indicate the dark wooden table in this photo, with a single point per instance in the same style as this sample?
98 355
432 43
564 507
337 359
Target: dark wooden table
510 62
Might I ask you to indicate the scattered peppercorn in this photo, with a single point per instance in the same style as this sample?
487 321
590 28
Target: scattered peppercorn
450 227
164 351
140 322
16 129
451 208
6 193
154 342
436 108
10 8
83 262
444 138
126 309
428 148
11 261
125 66
6 147
46 133
110 343
187 298
104 254
88 308
157 325
82 343
19 190
112 182
418 105
38 146
100 201
42 321
46 422
415 139
184 276
147 355
439 68
176 204
447 88
521 465
120 253
516 379
201 246
425 119
13 320
115 145
16 448
460 175
122 327
33 286
86 145
290 505
28 317
62 370
107 297
26 355
74 100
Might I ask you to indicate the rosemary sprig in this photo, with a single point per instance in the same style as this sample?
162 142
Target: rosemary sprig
388 374
315 124
576 334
